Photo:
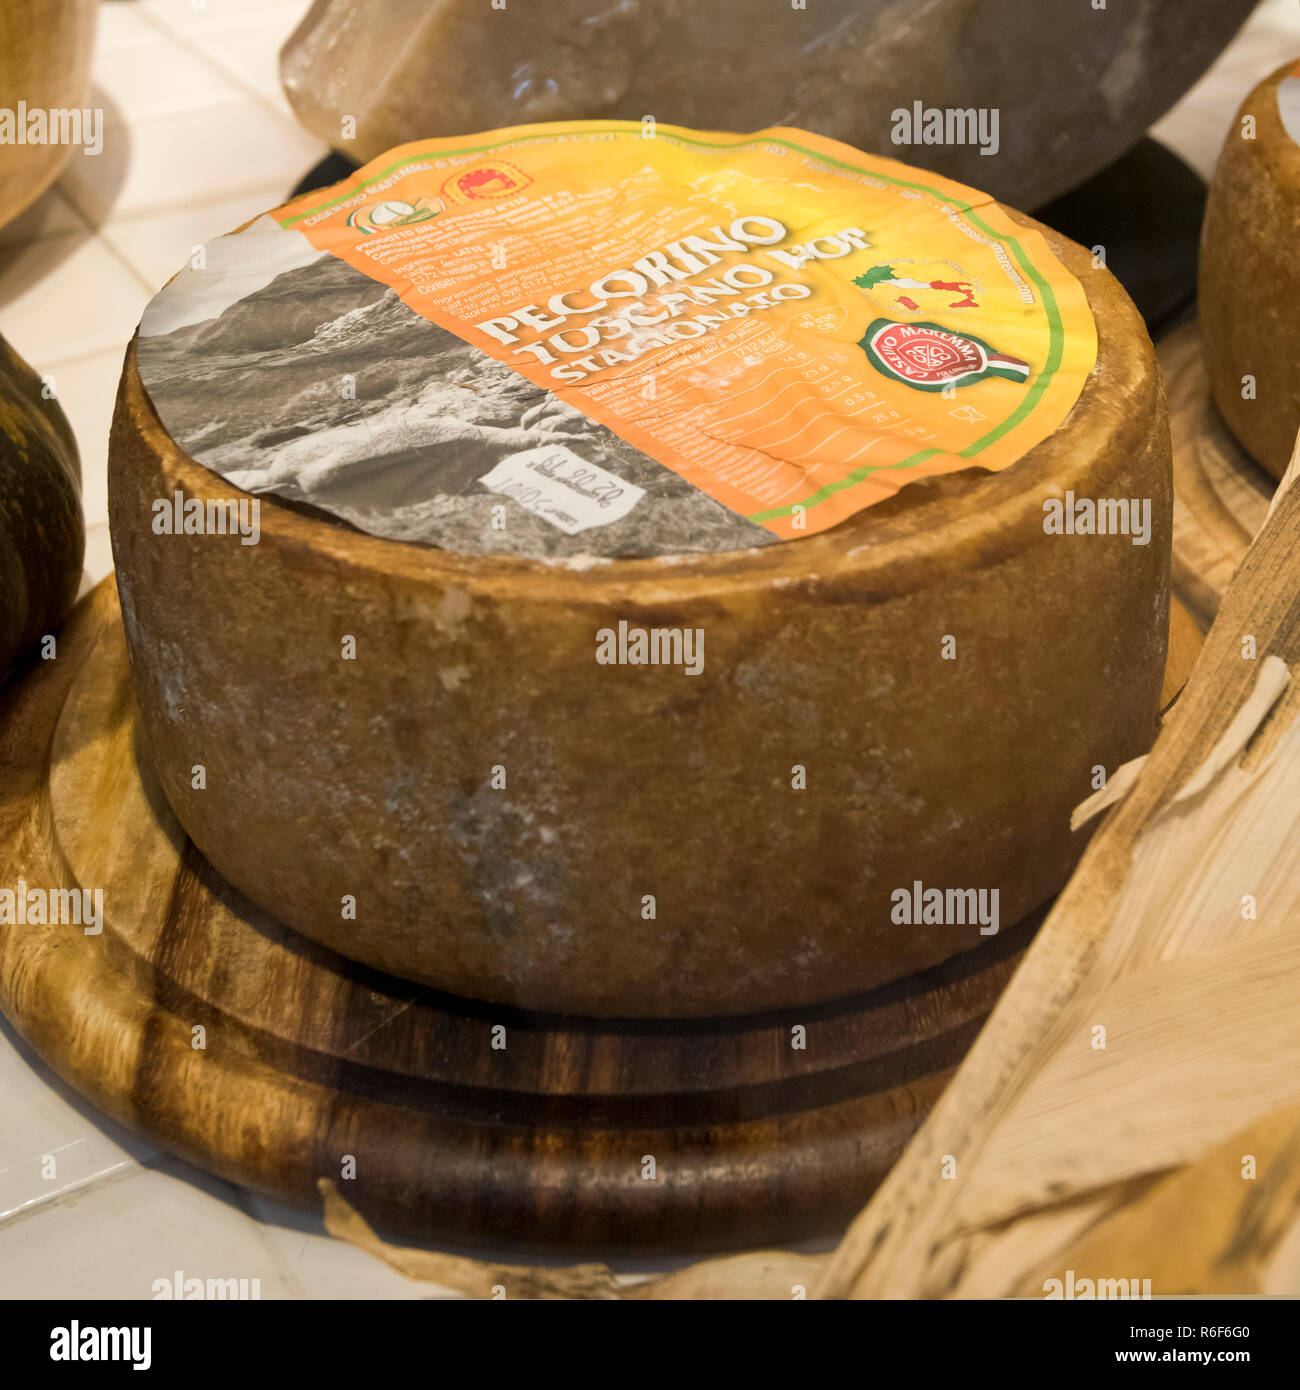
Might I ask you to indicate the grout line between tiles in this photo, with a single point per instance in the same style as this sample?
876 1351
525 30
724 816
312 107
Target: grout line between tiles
40 235
152 210
196 51
94 229
126 265
119 1172
54 364
115 119
245 1198
139 214
275 191
235 97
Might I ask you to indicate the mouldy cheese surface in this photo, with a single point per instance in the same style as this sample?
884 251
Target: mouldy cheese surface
1249 299
416 686
1060 89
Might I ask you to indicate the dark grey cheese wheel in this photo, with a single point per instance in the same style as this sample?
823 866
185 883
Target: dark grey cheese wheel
1057 89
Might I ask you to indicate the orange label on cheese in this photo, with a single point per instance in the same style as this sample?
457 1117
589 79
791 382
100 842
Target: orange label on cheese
794 328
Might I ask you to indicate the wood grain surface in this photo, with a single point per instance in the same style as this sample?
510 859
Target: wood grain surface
1221 494
309 1058
1179 935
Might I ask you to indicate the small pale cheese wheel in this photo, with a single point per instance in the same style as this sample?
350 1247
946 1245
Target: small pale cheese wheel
914 698
1249 301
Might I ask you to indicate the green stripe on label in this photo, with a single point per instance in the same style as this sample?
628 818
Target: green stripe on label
1056 331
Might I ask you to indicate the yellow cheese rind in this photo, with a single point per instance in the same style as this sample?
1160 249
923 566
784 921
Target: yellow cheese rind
1249 294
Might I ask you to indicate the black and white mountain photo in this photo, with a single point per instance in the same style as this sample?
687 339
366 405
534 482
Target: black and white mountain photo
287 371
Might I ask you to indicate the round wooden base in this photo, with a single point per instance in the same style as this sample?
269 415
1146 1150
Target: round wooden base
1221 495
198 1019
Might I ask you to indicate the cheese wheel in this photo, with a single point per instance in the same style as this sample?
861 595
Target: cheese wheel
1249 293
1053 92
42 534
416 755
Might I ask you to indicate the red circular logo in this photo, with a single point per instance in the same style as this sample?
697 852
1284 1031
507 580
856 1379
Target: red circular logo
487 181
925 354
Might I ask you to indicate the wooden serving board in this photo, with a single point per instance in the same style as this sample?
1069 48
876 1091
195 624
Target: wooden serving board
1221 495
308 1059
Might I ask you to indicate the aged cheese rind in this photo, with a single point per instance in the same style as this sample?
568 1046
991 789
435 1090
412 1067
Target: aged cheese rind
1072 85
1249 300
372 777
42 534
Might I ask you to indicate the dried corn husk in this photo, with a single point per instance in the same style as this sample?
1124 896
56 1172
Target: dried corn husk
1148 1043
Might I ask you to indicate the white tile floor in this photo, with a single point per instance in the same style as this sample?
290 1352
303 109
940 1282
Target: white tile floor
198 138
